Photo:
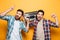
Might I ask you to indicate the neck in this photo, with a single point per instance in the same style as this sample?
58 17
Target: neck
39 19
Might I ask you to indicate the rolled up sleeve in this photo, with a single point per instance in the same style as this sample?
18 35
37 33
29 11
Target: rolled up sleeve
24 27
7 17
53 24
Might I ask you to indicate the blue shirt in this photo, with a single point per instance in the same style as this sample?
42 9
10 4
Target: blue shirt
11 20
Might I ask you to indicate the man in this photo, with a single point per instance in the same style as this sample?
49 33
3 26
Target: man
42 26
15 25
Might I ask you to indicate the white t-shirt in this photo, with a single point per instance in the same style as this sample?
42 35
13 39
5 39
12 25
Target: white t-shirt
40 31
15 32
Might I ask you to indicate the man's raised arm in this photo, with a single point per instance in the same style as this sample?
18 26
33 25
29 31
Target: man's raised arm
4 13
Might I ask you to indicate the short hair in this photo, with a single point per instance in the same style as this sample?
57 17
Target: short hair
40 11
21 11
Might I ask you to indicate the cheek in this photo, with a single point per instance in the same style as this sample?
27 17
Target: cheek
19 15
39 16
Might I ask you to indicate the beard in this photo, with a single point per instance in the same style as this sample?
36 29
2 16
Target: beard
39 18
17 17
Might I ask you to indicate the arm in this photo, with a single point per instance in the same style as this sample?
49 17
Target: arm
3 15
32 23
56 21
27 26
23 27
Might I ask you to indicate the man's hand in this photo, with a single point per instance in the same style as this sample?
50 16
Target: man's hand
12 8
27 19
4 13
54 16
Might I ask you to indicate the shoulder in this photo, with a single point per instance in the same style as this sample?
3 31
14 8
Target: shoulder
21 22
8 16
47 20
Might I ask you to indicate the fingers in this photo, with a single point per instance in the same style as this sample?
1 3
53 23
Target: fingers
27 19
53 15
11 8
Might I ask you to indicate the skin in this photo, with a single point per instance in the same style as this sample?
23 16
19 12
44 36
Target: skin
40 16
17 16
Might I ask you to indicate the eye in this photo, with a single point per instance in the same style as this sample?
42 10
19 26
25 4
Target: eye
17 14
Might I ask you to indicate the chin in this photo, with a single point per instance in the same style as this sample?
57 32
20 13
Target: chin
39 18
17 18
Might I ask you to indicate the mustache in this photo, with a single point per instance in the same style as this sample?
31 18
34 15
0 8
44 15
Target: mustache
16 16
38 17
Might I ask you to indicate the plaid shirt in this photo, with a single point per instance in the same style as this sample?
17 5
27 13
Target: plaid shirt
46 27
11 20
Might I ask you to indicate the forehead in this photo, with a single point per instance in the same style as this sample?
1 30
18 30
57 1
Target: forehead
19 12
40 13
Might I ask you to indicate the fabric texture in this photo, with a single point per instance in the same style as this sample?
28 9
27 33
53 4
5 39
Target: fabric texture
11 20
40 31
46 28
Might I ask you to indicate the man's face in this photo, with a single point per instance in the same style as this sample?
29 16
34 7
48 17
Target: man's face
18 15
39 15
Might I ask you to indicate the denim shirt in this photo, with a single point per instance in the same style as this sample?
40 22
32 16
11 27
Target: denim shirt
11 20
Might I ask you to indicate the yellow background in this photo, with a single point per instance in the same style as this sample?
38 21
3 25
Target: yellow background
49 6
